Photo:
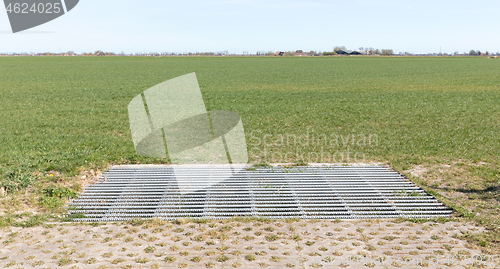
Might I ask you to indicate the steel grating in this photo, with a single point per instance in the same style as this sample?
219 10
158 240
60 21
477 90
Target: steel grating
323 192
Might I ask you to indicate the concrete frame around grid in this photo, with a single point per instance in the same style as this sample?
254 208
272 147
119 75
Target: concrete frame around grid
320 192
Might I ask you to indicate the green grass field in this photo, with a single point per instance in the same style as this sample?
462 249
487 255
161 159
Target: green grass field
65 115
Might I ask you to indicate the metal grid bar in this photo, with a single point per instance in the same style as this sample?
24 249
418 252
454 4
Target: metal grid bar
347 192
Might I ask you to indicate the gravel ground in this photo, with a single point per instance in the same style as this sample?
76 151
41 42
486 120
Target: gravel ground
237 243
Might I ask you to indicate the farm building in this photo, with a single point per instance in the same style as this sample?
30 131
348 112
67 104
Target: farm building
299 53
341 51
352 52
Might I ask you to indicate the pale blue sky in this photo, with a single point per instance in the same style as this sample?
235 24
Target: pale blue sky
256 25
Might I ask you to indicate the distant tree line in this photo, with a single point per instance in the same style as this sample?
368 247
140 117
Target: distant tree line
478 52
368 50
